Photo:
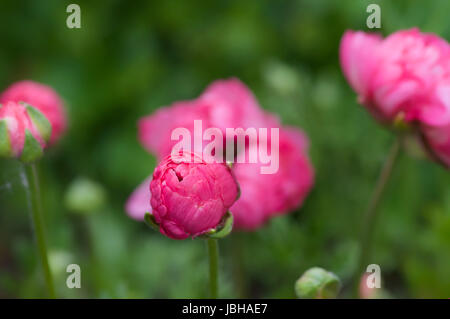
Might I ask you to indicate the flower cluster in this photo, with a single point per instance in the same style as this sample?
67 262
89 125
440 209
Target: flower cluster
230 104
403 79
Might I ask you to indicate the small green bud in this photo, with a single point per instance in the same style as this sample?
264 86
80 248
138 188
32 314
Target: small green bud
58 260
317 283
85 196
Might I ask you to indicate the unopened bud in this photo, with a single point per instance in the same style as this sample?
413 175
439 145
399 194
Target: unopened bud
317 283
24 132
85 196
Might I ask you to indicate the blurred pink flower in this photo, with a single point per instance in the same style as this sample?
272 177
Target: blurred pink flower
16 119
230 104
42 97
188 198
266 195
364 291
139 202
403 77
155 130
224 104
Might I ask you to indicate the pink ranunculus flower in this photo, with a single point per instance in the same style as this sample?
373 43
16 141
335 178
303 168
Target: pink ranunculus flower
400 74
24 131
224 104
230 104
406 77
189 197
139 202
155 130
266 195
42 97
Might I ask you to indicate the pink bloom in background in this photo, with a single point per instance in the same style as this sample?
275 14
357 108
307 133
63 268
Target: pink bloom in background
224 104
230 104
15 121
404 76
364 291
42 97
189 199
155 130
266 195
139 202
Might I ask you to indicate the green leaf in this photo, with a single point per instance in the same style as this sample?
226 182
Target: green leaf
32 149
39 120
5 142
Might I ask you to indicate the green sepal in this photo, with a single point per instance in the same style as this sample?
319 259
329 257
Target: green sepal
149 219
5 142
32 149
39 120
224 228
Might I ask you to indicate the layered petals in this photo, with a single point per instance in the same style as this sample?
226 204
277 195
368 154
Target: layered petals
189 197
405 76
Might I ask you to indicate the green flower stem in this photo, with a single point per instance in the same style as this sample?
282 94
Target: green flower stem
38 224
370 216
213 252
238 266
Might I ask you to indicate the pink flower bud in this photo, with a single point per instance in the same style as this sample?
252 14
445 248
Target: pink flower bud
24 131
406 78
43 98
190 197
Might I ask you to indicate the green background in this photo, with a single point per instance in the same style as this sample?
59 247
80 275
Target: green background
131 57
